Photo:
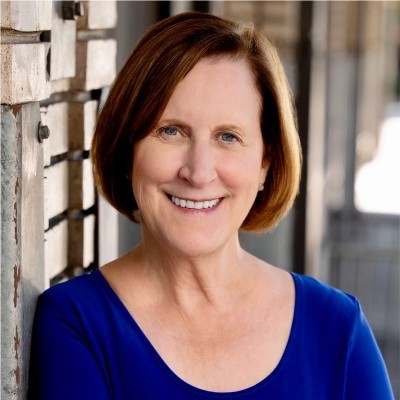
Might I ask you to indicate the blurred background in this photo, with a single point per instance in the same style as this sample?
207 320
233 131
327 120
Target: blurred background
342 59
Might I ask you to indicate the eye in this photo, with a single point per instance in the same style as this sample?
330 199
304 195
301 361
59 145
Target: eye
228 137
170 130
170 133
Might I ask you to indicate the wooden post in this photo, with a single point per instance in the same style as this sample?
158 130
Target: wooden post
22 249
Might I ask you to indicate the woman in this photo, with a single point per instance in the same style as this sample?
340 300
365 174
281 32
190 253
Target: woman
198 140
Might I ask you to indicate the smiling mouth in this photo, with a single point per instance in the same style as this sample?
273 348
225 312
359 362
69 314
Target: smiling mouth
196 205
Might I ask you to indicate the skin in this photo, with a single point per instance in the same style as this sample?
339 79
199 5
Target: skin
189 284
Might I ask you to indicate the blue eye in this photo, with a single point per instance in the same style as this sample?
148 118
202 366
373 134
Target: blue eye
170 130
228 137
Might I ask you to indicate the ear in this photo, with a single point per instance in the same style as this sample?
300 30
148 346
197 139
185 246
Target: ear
266 162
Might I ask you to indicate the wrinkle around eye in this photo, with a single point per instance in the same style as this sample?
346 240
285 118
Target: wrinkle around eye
177 133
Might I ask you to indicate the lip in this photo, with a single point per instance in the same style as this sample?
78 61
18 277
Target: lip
194 205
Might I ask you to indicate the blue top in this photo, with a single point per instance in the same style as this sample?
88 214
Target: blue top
86 345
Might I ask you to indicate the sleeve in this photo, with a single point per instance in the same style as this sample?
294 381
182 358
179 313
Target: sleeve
62 365
367 377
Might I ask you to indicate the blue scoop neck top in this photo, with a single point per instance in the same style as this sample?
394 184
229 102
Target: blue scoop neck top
86 345
173 375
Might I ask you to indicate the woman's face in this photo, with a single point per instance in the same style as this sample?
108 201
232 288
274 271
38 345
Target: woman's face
196 176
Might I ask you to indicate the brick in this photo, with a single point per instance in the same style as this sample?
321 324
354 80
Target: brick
26 16
23 73
55 190
82 120
81 242
56 250
63 41
55 116
81 185
98 15
96 64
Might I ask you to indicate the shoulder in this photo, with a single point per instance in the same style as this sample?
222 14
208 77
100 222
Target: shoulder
79 306
84 291
80 285
312 289
320 300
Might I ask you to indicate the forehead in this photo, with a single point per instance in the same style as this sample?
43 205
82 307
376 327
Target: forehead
227 74
225 86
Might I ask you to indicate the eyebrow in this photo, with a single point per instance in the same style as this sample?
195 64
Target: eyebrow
228 127
173 121
185 126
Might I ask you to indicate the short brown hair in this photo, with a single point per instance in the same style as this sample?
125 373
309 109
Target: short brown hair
142 89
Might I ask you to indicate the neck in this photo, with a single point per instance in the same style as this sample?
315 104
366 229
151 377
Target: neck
210 279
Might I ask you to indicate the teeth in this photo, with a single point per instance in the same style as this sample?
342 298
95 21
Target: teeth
197 205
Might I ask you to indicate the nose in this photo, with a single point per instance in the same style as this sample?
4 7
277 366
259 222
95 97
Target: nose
199 167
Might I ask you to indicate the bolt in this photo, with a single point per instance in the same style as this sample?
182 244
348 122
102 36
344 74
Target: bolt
43 132
72 9
68 10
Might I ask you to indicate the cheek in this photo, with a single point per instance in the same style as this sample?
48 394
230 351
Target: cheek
151 167
137 184
141 172
243 170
